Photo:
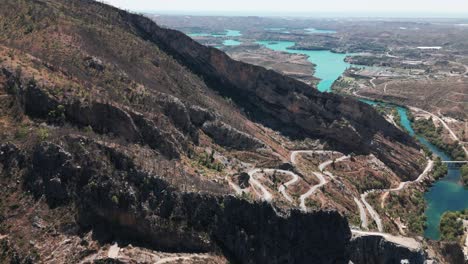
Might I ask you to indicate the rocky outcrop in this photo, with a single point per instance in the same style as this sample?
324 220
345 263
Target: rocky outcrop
10 254
103 118
108 118
453 252
113 195
10 157
51 169
225 135
376 250
176 111
199 115
243 180
171 143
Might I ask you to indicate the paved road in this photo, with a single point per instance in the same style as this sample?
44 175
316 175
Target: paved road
266 195
374 213
294 154
362 213
236 187
312 190
452 134
325 164
282 188
362 203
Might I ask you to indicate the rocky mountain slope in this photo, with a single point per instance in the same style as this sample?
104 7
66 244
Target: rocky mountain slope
116 127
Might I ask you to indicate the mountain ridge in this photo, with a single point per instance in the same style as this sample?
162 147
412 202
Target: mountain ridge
137 131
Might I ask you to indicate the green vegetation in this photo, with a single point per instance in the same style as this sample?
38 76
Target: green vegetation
464 175
440 169
208 161
397 117
43 134
370 182
417 219
427 128
57 115
22 133
451 225
115 200
409 206
312 204
410 116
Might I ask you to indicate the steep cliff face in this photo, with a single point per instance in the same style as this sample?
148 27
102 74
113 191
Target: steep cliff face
283 103
376 250
140 207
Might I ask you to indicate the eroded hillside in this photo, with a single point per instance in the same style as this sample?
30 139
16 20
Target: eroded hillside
137 133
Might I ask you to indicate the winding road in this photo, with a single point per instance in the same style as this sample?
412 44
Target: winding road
319 175
370 209
452 134
266 195
372 212
312 190
282 188
429 166
361 203
362 213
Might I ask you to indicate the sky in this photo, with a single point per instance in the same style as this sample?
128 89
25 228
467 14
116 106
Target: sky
296 6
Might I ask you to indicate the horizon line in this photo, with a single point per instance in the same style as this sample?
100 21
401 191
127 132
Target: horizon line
324 14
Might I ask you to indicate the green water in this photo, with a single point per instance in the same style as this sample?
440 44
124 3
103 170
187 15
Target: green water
230 42
329 65
446 194
319 31
228 33
199 34
233 33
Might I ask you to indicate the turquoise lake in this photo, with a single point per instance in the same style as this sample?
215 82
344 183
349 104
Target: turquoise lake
228 33
230 42
319 31
446 194
329 65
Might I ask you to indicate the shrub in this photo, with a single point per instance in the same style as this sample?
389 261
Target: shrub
43 133
427 128
115 200
440 169
57 115
464 175
451 225
22 133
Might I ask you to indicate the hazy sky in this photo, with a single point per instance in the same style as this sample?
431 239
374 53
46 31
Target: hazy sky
301 6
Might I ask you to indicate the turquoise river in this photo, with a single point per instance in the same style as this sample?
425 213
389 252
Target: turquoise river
446 194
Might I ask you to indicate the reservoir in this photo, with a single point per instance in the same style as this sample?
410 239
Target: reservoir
226 34
329 65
